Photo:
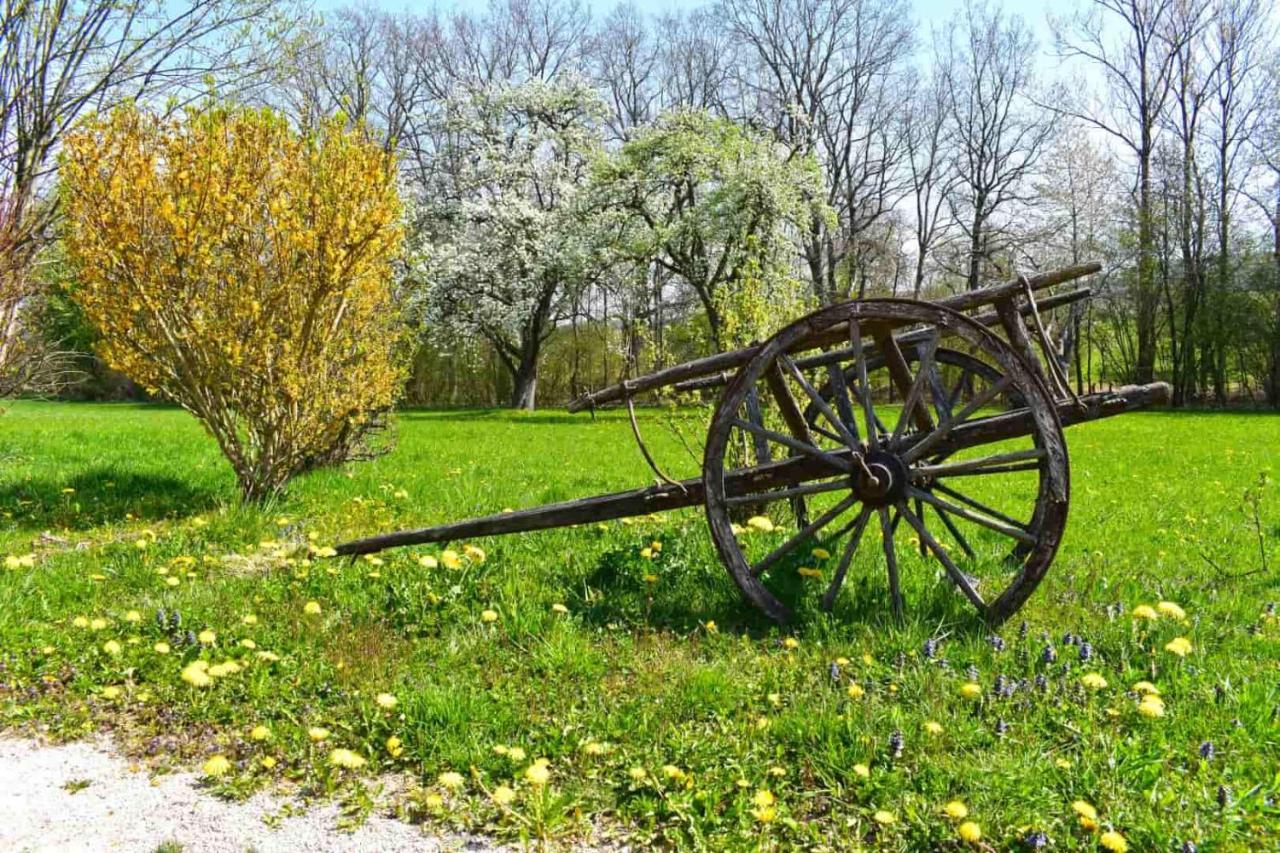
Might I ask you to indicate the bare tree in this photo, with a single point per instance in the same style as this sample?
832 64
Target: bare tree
626 69
1137 67
697 60
998 131
927 137
825 77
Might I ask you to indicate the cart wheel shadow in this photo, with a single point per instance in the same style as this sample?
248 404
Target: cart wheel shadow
703 592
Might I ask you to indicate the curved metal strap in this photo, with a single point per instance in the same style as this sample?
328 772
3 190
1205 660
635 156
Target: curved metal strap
644 449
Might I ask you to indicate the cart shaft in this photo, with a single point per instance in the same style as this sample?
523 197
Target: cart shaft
774 476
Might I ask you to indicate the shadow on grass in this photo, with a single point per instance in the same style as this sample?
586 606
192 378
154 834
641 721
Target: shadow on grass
699 593
102 496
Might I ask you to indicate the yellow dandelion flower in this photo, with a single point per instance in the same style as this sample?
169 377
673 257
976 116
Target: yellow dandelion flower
318 734
1145 611
450 780
761 523
637 773
559 608
112 648
933 727
1173 611
1113 841
646 553
790 643
111 692
489 616
971 690
820 553
1062 763
97 624
1179 646
248 643
1084 809
1093 681
516 753
537 773
249 619
1151 707
451 559
346 759
884 818
80 622
196 674
1146 687
217 766
434 801
970 832
765 815
395 747
710 626
807 572
764 798
133 616
267 762
207 637
428 562
385 701
855 691
161 648
311 608
503 796
222 670
956 810
474 553
862 771
260 733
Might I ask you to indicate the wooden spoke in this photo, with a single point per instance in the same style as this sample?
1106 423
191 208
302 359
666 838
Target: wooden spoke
921 447
969 515
997 469
920 515
864 389
957 577
783 494
818 401
955 532
958 388
891 561
941 401
826 433
965 466
787 405
837 581
973 504
756 417
796 445
900 373
840 390
917 387
805 532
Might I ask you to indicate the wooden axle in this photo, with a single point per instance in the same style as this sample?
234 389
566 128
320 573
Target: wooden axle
784 474
736 358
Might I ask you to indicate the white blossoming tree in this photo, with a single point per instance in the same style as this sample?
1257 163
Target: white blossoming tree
503 238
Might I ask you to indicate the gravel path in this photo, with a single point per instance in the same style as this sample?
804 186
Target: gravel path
123 810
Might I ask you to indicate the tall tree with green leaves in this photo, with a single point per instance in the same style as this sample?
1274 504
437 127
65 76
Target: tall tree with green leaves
718 207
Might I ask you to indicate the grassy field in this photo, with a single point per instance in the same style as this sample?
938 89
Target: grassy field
666 711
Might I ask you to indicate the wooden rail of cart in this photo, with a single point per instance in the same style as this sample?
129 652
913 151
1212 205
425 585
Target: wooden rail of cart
799 422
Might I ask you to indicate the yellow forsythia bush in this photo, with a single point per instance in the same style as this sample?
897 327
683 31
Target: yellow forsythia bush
242 270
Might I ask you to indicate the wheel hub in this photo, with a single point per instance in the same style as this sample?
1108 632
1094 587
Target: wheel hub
890 483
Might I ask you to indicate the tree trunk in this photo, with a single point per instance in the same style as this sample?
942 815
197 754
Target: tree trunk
524 387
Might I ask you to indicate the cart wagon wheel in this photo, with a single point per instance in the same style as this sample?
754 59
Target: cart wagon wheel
864 465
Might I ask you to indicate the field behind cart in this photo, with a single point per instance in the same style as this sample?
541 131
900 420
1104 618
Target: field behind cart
664 707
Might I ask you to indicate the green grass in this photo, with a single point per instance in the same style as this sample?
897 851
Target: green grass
632 677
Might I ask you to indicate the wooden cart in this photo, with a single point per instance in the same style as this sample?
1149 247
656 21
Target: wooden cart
946 415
